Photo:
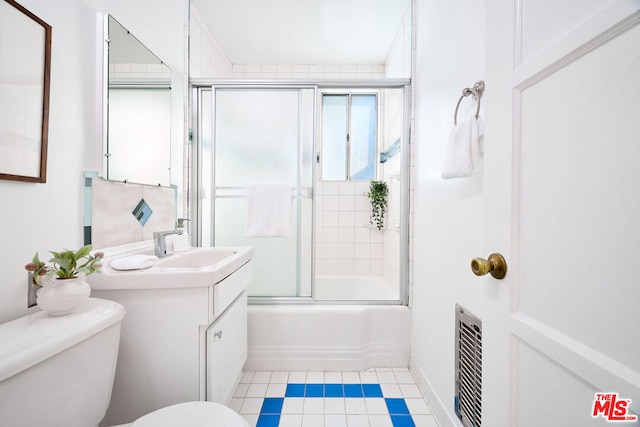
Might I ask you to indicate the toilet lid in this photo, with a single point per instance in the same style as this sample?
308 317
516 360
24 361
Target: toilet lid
192 414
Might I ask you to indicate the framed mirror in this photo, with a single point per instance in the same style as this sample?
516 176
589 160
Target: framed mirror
25 64
137 145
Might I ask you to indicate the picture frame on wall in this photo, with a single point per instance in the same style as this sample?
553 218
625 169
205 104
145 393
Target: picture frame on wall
25 68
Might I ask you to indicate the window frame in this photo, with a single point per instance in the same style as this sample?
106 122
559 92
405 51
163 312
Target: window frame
349 93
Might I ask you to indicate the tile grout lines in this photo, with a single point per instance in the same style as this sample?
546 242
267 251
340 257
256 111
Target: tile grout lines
373 398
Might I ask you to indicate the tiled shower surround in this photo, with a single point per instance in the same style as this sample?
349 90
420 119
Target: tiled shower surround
346 244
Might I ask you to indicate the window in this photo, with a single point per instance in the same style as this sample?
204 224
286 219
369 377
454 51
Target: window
349 123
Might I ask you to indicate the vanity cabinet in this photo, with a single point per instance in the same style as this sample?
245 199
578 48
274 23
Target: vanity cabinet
227 351
178 343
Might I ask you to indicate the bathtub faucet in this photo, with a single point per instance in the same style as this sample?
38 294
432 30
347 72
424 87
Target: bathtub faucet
160 241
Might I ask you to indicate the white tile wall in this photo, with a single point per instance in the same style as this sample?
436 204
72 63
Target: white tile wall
346 244
207 59
308 71
139 71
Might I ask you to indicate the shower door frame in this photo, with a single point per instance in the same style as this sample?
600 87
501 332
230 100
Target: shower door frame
199 85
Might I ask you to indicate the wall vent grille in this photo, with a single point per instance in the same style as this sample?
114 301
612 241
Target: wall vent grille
468 372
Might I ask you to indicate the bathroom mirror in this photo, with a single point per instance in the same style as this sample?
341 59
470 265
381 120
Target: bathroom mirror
137 140
25 63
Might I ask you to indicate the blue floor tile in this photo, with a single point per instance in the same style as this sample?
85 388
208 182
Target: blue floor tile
333 390
397 406
372 390
402 421
271 410
294 390
353 390
272 405
314 390
268 421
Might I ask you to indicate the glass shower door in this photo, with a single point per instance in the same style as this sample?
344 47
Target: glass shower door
265 136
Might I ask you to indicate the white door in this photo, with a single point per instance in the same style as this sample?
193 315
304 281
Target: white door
562 204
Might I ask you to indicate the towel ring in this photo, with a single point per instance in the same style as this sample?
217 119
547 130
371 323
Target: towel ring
476 93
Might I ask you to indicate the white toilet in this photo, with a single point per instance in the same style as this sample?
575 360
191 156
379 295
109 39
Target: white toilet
58 372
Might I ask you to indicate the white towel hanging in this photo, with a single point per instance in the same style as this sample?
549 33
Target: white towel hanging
268 210
464 149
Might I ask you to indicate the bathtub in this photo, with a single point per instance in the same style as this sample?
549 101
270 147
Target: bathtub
352 288
324 337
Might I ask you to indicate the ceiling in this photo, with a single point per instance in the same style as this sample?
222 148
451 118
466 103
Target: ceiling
304 31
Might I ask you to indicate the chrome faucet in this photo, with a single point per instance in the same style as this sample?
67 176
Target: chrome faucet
160 241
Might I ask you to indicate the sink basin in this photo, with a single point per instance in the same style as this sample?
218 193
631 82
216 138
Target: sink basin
198 258
194 268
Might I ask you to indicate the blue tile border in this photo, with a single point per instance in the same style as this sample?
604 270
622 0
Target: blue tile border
371 390
333 390
353 390
294 390
272 406
402 421
268 420
314 390
397 406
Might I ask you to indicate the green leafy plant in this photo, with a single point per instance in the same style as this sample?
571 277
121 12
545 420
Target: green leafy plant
66 264
378 192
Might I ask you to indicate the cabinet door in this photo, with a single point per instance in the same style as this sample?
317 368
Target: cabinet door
227 351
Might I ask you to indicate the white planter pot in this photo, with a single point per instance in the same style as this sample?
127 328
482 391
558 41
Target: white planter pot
63 296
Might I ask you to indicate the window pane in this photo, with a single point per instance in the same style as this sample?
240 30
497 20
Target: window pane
334 137
363 137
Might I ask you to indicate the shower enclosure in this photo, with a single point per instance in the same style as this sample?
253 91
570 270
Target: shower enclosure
327 141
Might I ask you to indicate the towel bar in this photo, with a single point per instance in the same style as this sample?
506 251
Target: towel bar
239 192
476 93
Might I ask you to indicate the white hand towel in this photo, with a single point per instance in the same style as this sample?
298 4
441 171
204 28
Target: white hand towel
268 210
134 262
464 149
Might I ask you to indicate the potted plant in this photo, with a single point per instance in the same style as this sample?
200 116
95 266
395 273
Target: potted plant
62 289
378 192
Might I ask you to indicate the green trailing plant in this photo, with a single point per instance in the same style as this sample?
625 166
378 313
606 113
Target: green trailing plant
378 192
66 264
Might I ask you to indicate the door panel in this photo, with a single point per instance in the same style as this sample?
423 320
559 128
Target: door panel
580 199
540 28
562 193
264 135
537 373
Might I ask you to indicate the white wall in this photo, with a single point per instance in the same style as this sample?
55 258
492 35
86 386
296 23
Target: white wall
208 60
42 217
448 214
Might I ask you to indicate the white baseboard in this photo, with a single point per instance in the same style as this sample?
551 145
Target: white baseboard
438 409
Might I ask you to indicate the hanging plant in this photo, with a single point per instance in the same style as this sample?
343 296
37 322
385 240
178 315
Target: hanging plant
377 194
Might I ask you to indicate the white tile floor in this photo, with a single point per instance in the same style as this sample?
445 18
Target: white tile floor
254 387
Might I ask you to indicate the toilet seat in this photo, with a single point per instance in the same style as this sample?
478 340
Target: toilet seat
192 414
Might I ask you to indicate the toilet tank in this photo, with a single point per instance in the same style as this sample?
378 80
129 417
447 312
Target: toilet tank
58 371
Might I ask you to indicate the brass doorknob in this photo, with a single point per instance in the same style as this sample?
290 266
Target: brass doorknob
496 265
